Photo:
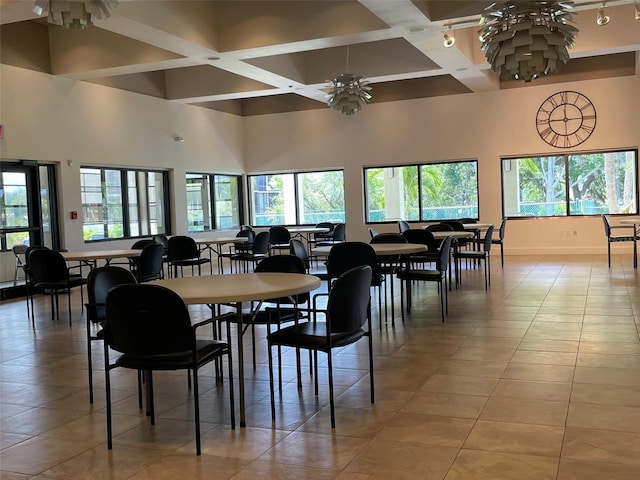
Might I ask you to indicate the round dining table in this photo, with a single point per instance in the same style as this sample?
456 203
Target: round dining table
236 289
215 244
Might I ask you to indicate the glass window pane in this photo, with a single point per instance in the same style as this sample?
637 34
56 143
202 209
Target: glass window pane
392 193
156 195
321 197
227 205
602 183
13 200
534 187
449 190
198 203
272 199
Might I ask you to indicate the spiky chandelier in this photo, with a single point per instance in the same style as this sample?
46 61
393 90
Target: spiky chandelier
350 94
75 13
525 40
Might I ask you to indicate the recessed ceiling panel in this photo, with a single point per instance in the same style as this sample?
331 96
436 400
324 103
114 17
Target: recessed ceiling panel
372 59
146 83
417 88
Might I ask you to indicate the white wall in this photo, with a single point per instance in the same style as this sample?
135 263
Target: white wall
53 119
485 126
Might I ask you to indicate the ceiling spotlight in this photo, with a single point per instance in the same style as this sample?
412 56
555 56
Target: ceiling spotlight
637 6
449 38
74 13
602 17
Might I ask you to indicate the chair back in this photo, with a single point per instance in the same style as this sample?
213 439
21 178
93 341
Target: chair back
445 254
388 238
261 244
486 242
373 232
140 244
99 281
162 240
250 236
146 319
182 247
348 304
20 252
297 248
47 266
279 235
607 225
467 220
347 255
456 225
439 227
422 237
503 227
339 233
324 235
403 226
150 263
244 228
284 264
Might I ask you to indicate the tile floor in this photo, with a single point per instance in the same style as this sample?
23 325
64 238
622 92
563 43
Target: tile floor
538 378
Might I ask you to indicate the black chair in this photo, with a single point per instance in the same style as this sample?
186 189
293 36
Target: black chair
437 274
184 252
137 245
629 235
338 235
482 255
163 240
347 312
389 266
49 272
279 238
347 255
29 279
500 240
258 251
373 232
148 265
150 327
297 248
403 226
322 236
99 281
423 237
439 227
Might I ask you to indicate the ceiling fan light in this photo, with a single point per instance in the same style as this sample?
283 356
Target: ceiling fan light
74 13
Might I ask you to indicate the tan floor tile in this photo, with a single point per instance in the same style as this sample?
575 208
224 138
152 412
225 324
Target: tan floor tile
553 391
500 332
315 450
544 358
242 443
492 369
607 376
401 460
486 354
479 465
446 404
606 347
606 394
350 422
520 438
274 471
427 430
172 466
457 384
542 373
538 412
576 470
602 446
38 454
606 417
549 345
608 360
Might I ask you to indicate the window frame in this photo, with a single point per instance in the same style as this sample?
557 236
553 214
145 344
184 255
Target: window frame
124 204
298 200
508 167
212 198
422 218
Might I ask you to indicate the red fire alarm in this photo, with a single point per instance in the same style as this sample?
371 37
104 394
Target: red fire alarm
74 215
1 131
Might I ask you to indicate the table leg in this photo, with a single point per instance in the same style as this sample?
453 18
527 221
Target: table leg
239 318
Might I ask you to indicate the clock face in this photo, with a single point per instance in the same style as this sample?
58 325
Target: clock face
566 119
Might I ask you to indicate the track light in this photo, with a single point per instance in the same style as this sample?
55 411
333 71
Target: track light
449 38
637 6
602 17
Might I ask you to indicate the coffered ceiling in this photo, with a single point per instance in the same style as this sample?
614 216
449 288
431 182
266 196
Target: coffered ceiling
257 57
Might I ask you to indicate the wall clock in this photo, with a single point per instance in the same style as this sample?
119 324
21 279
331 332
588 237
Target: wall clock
566 119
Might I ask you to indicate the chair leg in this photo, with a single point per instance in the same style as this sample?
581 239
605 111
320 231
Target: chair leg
272 394
89 362
107 385
502 254
196 408
609 253
331 401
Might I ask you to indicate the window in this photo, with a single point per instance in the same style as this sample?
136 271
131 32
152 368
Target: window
123 203
435 191
297 198
571 184
27 205
224 212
